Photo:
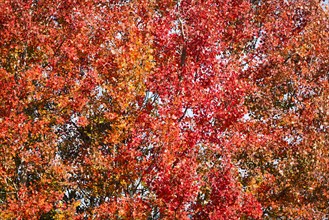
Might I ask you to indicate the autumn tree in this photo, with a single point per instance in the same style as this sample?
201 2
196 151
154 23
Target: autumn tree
284 155
152 109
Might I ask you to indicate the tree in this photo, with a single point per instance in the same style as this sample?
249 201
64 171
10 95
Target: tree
284 153
136 109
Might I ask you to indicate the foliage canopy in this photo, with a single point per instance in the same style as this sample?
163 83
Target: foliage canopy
215 109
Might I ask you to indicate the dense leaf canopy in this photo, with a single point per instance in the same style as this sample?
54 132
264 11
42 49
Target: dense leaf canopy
164 109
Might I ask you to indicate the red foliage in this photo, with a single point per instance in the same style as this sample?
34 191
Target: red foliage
137 109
